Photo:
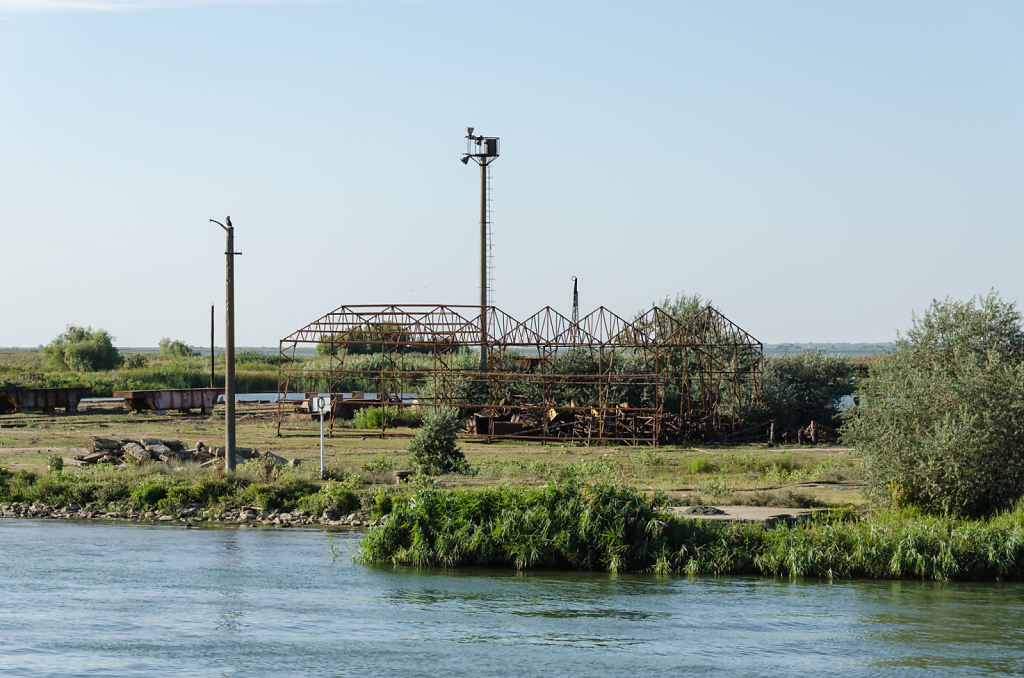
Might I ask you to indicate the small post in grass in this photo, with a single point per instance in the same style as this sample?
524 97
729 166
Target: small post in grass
212 366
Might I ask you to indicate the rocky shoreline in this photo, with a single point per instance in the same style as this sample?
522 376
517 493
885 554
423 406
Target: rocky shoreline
193 516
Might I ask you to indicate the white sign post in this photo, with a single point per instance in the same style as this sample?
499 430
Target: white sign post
321 404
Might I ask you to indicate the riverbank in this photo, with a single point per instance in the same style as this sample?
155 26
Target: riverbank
569 525
619 529
191 516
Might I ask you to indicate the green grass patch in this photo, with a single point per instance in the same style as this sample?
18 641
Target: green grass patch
618 529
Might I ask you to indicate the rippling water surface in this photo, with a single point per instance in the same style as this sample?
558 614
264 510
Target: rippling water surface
128 600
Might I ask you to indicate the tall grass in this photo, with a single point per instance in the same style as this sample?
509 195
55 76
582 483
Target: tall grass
613 528
254 373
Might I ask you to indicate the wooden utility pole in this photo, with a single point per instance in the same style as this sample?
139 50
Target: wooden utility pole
229 347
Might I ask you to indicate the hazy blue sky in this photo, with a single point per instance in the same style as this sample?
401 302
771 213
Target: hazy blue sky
818 169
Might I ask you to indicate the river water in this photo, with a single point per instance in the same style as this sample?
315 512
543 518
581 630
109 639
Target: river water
100 599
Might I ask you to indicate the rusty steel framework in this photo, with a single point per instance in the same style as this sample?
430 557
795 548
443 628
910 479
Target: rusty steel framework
602 378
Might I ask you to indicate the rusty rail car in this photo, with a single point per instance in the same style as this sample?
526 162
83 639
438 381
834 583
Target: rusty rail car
19 398
161 400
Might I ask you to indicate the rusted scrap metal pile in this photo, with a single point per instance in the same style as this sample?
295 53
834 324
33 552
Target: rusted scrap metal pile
602 378
118 453
768 432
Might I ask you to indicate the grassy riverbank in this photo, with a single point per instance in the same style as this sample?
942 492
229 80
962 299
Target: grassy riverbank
619 529
257 491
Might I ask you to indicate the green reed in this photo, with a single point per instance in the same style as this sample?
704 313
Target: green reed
618 529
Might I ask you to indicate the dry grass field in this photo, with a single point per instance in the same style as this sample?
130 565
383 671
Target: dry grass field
792 476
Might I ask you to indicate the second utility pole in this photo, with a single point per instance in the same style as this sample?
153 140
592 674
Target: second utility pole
229 347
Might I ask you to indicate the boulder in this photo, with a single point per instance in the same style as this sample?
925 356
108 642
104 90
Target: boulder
137 451
277 459
158 449
247 452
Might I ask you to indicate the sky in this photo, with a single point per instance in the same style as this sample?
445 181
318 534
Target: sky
819 171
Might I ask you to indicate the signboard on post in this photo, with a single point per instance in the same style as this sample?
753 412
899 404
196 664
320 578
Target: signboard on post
321 404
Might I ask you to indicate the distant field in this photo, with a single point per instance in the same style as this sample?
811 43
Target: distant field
843 349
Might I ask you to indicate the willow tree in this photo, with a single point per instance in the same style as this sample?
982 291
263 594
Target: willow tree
940 422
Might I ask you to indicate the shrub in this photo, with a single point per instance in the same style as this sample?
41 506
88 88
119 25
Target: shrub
433 447
333 498
55 462
370 417
940 422
284 494
702 465
135 361
15 486
367 417
381 463
264 468
81 349
382 503
212 490
175 348
147 494
801 388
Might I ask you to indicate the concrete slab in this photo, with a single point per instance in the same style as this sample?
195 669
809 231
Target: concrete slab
742 514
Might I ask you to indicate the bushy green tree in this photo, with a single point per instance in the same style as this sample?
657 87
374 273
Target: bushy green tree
940 422
433 448
83 350
803 387
175 348
683 307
